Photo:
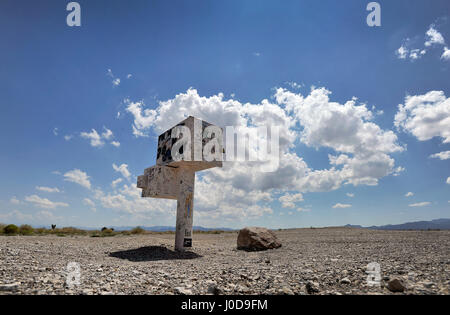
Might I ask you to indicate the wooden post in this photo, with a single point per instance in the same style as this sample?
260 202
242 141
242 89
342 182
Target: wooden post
185 209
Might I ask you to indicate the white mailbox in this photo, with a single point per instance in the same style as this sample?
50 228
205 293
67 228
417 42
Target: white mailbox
192 145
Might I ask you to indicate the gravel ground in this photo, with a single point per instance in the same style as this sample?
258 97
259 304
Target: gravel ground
311 261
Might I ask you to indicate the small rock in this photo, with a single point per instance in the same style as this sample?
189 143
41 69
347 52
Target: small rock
312 287
257 239
285 291
10 287
396 285
345 281
213 289
182 291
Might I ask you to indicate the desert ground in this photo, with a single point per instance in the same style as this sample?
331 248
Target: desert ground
311 261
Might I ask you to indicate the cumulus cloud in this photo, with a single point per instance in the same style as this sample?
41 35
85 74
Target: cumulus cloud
98 140
409 194
79 177
122 169
350 195
116 182
434 37
445 155
128 200
341 206
48 189
448 180
94 137
402 52
239 190
288 200
420 204
44 202
425 116
115 81
446 54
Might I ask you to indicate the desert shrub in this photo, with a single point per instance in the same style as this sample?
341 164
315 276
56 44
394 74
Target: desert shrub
70 231
137 230
26 229
11 229
41 231
107 232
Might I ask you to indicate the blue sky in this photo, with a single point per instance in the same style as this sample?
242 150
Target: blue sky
58 83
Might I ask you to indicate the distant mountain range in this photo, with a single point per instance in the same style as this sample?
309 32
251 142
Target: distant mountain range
439 224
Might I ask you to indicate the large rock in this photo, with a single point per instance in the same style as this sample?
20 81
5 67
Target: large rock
256 239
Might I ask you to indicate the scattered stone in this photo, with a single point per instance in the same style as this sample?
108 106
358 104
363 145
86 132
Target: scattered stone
10 287
257 239
312 287
182 291
345 281
396 285
214 290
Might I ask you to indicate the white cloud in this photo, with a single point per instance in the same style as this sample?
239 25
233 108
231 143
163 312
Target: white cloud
448 180
446 54
88 202
55 131
44 202
416 54
420 204
128 200
46 216
303 210
48 189
79 177
15 215
98 140
402 52
409 194
143 118
341 206
115 81
129 76
14 200
434 37
68 137
350 195
116 182
445 155
94 137
425 116
107 134
122 169
288 200
239 190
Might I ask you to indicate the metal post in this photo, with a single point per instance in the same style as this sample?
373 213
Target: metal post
185 208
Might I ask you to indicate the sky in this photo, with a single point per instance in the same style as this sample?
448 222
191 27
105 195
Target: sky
363 112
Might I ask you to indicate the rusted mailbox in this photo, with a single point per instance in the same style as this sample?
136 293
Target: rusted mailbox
193 145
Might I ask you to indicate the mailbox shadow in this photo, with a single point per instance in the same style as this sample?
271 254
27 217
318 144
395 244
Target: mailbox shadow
153 253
